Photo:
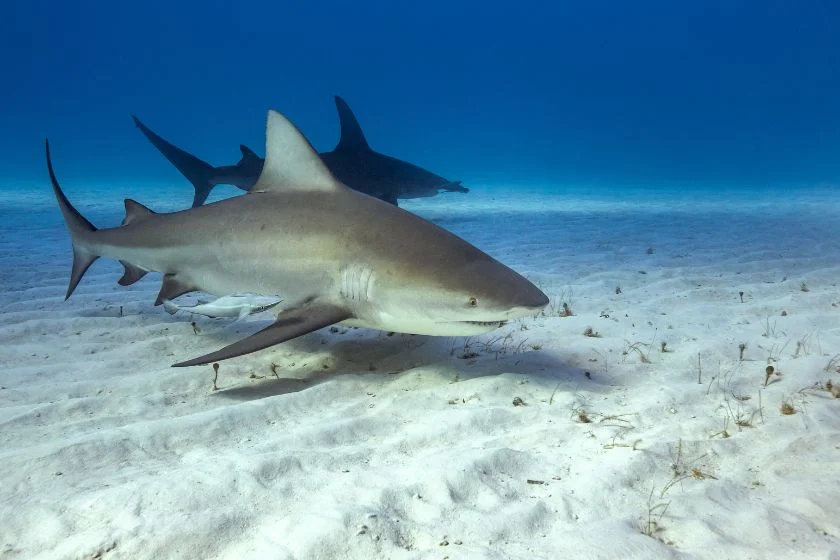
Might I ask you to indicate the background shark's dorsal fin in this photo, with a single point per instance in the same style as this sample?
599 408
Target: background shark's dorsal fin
134 211
290 161
248 154
352 137
246 151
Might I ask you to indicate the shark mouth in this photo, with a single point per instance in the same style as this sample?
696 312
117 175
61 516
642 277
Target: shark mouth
486 323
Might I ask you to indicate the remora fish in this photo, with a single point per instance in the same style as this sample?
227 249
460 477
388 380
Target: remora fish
236 305
335 254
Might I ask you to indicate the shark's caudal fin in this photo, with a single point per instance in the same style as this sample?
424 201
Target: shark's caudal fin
197 172
78 227
352 137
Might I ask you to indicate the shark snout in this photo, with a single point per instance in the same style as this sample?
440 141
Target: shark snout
529 299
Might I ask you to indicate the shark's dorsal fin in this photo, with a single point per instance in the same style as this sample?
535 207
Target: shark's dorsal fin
248 153
291 164
352 137
134 212
249 157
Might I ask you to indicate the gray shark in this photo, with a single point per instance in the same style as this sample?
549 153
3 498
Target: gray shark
352 162
334 254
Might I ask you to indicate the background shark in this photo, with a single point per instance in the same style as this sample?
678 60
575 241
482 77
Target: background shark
352 162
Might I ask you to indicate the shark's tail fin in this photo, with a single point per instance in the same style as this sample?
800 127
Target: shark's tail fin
198 172
79 228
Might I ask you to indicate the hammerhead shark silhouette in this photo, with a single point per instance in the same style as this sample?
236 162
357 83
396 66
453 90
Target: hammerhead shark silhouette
352 162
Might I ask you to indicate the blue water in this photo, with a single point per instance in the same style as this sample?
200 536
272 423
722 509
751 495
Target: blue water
597 95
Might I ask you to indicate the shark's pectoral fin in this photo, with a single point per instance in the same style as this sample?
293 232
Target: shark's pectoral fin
131 275
290 324
173 287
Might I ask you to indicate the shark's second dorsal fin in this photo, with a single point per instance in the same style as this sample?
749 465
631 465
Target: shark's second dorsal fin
291 164
352 137
134 212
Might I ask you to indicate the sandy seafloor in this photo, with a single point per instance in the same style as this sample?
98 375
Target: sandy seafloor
375 446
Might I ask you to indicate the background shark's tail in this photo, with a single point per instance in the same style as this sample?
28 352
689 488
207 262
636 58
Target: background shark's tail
198 172
79 228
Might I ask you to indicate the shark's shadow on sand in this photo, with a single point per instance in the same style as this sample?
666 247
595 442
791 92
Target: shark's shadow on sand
383 356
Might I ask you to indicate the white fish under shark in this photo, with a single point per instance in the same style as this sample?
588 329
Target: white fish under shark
235 305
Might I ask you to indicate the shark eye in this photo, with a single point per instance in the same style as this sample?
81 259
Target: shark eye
473 302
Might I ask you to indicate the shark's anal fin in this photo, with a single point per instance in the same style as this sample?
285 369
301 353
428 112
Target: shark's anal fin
290 324
131 275
172 288
134 212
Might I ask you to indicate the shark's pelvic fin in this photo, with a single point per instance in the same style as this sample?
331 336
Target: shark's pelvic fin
290 323
131 275
352 137
197 172
134 212
78 227
172 287
290 161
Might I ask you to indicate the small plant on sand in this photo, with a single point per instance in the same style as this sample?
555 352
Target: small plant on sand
681 470
559 305
802 346
591 333
467 353
787 408
832 388
215 375
768 373
739 416
741 348
833 364
637 348
769 329
650 524
804 287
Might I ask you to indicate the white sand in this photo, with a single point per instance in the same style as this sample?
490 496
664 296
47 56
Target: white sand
370 446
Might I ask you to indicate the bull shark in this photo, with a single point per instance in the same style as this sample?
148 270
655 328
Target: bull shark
334 254
352 162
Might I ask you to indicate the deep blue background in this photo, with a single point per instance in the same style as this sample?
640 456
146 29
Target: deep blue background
678 94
